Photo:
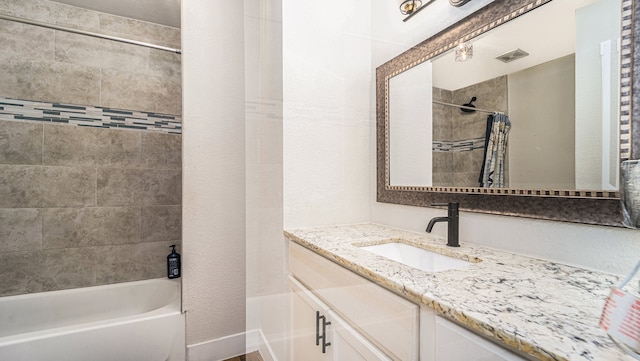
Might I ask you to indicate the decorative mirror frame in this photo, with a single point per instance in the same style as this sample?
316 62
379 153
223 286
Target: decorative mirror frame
589 207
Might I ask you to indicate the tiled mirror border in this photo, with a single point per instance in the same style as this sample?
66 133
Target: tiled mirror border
87 116
592 207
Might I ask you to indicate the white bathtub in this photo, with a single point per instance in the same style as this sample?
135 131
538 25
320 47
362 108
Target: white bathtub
127 321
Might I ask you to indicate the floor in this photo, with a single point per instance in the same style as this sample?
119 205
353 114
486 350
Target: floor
254 356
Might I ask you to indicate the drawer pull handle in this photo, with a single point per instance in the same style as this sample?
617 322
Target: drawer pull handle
322 337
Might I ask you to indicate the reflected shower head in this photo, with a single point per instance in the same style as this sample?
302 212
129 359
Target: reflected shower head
469 105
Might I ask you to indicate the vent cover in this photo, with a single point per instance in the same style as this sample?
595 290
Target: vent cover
512 55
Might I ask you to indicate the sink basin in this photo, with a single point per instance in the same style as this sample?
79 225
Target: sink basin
417 257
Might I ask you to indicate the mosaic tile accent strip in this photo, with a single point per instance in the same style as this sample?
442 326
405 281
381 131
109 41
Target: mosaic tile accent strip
88 116
466 145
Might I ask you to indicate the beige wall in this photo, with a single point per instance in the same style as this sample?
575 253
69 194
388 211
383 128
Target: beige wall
85 206
542 137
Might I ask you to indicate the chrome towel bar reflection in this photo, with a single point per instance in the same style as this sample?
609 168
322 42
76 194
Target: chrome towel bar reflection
463 107
88 33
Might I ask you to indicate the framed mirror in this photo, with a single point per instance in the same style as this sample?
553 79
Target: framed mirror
560 72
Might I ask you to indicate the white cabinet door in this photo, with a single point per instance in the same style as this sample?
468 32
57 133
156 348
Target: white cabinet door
313 324
455 343
349 345
306 326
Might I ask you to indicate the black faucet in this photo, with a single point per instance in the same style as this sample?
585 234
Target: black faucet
452 219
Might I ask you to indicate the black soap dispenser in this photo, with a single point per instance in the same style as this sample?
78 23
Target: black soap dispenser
173 263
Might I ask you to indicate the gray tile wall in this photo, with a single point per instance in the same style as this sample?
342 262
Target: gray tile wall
461 168
83 206
56 66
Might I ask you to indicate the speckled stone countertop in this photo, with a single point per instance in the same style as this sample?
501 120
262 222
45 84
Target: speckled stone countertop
547 310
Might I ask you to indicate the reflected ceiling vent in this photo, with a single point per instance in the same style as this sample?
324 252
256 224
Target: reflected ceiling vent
512 55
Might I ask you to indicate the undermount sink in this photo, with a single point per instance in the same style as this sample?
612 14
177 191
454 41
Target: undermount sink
417 257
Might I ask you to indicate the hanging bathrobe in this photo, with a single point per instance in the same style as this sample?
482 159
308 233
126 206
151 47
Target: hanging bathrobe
496 152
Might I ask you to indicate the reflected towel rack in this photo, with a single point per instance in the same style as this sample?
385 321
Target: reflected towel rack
88 33
464 107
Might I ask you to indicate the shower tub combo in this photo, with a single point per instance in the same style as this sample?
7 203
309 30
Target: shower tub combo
127 321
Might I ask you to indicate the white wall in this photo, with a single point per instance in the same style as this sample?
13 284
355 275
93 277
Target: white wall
596 23
213 170
410 132
608 249
266 251
326 91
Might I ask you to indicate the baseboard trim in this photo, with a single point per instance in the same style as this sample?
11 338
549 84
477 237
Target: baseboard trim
231 346
257 342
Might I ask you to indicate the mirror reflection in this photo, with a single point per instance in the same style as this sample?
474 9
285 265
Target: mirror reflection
532 104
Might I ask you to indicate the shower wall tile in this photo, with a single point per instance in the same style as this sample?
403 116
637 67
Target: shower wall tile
25 78
164 64
136 91
122 187
19 273
161 187
90 154
26 40
21 229
442 162
161 151
83 227
94 147
132 262
20 143
48 270
66 268
154 33
466 179
101 53
37 186
467 161
442 179
161 223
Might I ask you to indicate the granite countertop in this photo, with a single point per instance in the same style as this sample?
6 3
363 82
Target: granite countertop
544 309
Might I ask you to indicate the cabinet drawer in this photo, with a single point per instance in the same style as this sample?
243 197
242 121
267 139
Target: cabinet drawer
388 320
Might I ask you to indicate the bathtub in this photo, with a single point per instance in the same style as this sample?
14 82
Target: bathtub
127 321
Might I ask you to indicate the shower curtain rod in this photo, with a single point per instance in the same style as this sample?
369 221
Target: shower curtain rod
88 33
465 107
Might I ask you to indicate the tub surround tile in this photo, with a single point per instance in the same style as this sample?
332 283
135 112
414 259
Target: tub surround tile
46 270
27 111
132 262
80 146
161 151
20 229
25 78
20 143
40 186
123 187
84 227
547 310
27 40
19 273
66 268
101 53
161 223
138 91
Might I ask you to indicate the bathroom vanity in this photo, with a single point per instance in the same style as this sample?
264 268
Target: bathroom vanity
349 303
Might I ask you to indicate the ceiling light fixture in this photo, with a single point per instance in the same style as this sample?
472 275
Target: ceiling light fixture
412 7
464 52
408 7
